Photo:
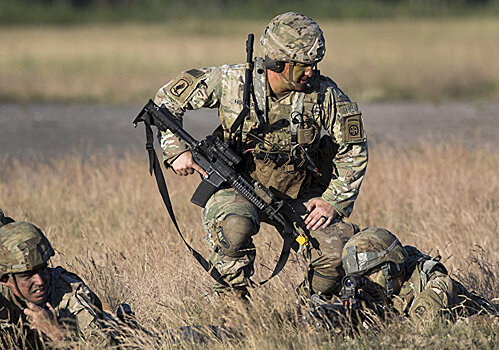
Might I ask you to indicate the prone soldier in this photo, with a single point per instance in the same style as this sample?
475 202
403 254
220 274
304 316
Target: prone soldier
39 303
412 283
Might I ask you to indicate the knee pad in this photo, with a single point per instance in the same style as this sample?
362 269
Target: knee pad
234 233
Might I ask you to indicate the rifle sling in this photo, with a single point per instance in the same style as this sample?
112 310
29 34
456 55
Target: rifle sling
288 242
154 166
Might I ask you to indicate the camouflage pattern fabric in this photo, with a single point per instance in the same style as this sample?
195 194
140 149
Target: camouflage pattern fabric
293 37
370 248
421 286
428 296
222 88
78 308
271 128
324 272
23 247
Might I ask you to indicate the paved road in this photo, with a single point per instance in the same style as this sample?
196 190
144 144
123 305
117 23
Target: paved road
51 130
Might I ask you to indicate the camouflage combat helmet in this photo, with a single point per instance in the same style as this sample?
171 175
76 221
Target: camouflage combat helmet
374 249
293 37
23 247
371 248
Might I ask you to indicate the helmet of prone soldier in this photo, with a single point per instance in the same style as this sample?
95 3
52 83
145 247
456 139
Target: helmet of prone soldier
370 249
23 247
293 37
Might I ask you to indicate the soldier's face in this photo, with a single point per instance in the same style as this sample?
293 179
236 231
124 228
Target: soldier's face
33 285
281 82
300 75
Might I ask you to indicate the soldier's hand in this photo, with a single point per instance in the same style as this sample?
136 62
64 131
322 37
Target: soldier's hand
184 165
321 214
44 320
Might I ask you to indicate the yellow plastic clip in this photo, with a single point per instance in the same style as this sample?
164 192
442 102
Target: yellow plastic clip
302 239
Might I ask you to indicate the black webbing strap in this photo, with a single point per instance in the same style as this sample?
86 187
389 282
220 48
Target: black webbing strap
388 279
154 166
283 258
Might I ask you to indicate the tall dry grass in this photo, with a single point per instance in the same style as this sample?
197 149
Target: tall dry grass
372 60
105 218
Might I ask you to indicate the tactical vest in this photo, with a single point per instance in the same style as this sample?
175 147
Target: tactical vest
278 133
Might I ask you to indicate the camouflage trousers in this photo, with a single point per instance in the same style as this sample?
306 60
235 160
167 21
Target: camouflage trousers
230 221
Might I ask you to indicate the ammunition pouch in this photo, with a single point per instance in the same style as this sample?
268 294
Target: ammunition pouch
289 176
285 179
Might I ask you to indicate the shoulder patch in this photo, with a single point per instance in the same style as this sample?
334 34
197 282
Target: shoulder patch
351 122
182 87
348 109
420 311
353 128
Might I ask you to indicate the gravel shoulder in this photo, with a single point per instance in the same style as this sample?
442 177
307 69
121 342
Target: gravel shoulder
53 130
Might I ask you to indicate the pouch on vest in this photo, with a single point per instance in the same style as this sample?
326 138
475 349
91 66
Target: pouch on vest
286 179
428 267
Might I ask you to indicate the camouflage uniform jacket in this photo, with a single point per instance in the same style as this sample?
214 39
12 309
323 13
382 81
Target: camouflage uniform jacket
324 106
77 307
429 292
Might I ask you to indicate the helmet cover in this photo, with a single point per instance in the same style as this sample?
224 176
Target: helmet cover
293 37
370 249
23 247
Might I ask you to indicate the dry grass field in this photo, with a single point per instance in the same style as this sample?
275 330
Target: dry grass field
430 60
105 218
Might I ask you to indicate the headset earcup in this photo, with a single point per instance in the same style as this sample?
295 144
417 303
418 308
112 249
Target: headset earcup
274 65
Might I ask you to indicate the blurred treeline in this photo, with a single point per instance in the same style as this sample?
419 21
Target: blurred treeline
82 11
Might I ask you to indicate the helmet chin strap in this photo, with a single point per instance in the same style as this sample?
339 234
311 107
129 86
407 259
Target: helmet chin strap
289 79
388 279
21 296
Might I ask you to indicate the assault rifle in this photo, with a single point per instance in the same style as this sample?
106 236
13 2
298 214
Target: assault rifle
220 163
353 308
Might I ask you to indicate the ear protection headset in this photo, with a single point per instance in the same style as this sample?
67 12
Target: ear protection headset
274 65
